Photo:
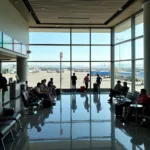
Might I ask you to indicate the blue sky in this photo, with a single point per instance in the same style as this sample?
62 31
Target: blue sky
81 53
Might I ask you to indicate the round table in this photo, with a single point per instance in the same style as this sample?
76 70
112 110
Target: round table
136 106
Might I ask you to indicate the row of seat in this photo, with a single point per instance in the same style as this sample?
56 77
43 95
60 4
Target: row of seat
31 104
7 122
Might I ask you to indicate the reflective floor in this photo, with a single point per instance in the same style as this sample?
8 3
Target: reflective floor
79 122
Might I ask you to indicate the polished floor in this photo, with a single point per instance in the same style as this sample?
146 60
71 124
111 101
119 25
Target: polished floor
78 122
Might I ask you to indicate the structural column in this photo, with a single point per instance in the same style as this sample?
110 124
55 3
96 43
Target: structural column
146 8
133 52
22 68
112 58
0 66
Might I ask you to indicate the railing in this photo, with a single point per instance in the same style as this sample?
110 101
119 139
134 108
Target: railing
11 44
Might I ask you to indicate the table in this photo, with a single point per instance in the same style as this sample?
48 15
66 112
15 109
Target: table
137 107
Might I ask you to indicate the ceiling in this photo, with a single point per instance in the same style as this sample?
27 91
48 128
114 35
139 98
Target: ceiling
76 13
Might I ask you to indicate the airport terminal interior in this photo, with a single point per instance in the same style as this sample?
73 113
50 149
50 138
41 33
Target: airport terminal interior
43 39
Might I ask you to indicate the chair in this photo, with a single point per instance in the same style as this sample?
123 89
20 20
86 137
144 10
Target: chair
29 106
5 126
122 95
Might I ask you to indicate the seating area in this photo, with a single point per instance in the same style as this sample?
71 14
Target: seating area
141 113
8 119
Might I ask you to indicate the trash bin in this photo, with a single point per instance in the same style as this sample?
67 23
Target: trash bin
95 87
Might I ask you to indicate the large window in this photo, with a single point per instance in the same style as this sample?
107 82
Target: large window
49 53
52 36
9 70
123 72
139 48
100 53
80 54
103 69
139 28
100 36
81 69
123 32
80 36
139 74
123 51
43 70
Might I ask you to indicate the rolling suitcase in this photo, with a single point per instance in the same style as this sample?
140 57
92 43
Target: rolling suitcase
82 89
95 87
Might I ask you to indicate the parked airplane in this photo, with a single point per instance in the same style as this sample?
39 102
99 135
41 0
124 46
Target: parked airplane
120 75
35 70
101 73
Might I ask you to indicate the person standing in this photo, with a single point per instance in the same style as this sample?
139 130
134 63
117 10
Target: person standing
3 86
73 81
98 81
86 81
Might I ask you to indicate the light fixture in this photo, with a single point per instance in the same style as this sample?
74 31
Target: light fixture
28 51
120 9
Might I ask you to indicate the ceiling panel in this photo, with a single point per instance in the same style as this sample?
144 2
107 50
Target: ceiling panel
76 13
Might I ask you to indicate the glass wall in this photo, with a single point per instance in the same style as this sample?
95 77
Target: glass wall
139 52
84 51
9 70
126 56
123 53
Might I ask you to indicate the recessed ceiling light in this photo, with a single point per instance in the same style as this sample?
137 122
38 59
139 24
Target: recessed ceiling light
120 9
16 2
43 8
57 25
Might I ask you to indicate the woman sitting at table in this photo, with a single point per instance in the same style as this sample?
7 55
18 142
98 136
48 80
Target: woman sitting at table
142 100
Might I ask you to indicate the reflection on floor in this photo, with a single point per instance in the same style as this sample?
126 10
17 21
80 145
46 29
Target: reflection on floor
79 122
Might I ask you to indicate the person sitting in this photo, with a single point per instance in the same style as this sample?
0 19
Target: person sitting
117 90
43 86
50 83
42 94
124 89
142 100
51 86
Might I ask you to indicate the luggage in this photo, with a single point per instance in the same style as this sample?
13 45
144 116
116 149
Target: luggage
57 91
95 87
8 111
46 103
118 109
82 88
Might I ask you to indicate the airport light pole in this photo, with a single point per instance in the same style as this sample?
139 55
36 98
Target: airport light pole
61 56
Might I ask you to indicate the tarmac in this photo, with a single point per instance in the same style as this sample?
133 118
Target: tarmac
34 78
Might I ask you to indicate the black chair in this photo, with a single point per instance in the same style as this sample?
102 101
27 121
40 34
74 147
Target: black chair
35 100
15 116
30 107
4 131
5 126
122 95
